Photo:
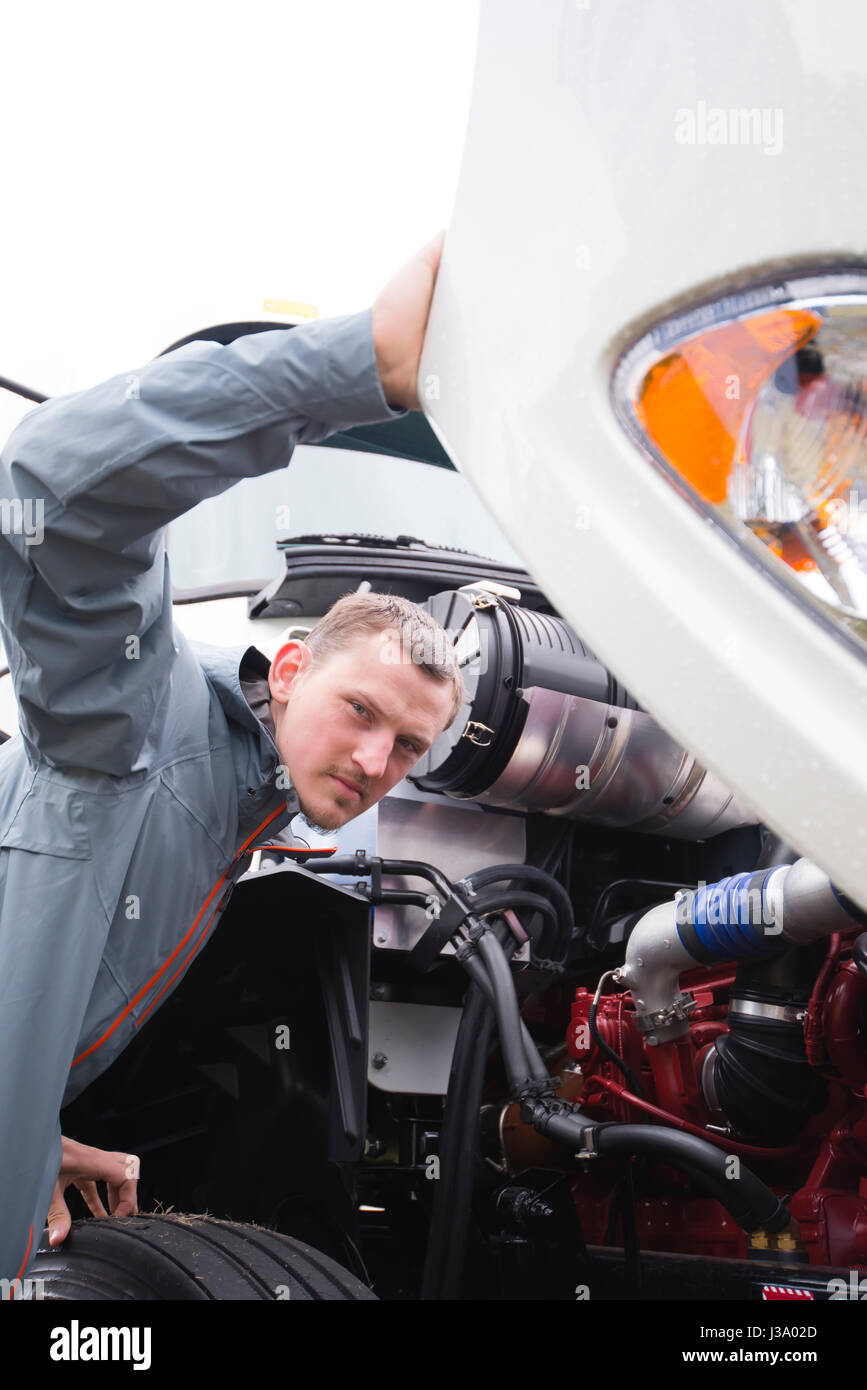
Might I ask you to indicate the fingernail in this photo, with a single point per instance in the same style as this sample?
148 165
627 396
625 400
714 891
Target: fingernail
53 1235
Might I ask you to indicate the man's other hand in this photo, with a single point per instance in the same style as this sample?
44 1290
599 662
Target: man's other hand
83 1166
400 313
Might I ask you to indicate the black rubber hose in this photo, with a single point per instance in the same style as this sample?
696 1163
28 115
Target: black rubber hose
475 967
749 1200
459 1143
746 1197
458 1150
632 1079
514 898
507 1013
526 873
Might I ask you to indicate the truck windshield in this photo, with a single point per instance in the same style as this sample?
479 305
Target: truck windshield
233 537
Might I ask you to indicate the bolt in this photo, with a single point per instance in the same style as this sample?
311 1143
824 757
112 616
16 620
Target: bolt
379 1060
378 992
652 1040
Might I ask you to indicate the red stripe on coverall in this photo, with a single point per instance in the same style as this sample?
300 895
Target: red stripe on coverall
23 1263
204 934
143 991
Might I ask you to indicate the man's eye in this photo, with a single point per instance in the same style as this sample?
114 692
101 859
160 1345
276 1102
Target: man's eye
408 745
356 705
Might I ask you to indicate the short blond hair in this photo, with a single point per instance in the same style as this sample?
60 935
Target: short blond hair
410 633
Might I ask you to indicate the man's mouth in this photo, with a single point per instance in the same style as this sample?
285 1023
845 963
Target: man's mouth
349 787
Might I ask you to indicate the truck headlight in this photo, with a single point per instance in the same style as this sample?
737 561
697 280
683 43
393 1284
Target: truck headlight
755 406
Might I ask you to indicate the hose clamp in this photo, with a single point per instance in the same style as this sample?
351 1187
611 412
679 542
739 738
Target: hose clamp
756 1008
678 1012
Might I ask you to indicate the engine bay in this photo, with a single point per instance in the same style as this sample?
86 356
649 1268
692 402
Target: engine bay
583 1025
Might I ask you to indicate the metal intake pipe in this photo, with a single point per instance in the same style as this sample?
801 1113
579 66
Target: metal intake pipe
748 916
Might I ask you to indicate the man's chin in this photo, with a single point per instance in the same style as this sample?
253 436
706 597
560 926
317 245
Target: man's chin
322 821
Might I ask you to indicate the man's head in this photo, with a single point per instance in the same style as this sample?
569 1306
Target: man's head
360 701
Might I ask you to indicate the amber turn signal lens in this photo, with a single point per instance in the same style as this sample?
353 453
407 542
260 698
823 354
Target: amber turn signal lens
693 402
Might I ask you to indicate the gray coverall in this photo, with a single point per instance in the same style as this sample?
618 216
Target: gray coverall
141 779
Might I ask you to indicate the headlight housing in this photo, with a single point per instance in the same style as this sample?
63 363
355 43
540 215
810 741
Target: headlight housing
755 406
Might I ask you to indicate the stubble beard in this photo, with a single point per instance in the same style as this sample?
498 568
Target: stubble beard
316 826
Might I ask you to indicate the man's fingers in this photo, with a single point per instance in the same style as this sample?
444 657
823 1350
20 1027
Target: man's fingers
115 1168
87 1188
84 1166
59 1220
123 1200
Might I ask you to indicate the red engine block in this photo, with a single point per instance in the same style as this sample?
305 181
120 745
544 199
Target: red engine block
824 1172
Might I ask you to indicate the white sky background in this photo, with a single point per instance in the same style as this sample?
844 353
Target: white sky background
170 166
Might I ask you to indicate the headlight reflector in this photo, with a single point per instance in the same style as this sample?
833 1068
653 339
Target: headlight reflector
757 409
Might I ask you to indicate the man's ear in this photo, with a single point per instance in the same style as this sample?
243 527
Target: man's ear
291 661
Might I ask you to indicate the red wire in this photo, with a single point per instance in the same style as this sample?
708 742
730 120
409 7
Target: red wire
729 1145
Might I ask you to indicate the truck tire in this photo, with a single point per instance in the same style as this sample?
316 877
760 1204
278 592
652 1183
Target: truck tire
169 1257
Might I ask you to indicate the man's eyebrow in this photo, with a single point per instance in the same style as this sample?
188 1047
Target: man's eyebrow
420 739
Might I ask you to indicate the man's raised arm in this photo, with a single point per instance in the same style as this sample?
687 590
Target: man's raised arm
101 472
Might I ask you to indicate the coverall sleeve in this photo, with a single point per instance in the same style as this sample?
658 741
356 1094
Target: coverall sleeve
89 480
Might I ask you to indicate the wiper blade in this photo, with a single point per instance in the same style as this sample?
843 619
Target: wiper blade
18 390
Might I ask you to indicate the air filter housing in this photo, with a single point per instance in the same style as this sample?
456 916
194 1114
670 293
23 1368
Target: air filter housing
547 727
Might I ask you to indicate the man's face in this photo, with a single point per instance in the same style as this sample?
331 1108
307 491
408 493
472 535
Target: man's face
351 725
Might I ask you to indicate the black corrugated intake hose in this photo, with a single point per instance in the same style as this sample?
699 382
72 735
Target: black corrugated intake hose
745 1196
764 1084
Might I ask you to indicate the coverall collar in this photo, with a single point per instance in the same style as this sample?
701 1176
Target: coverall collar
225 667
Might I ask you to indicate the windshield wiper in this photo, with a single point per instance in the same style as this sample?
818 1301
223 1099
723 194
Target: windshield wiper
18 390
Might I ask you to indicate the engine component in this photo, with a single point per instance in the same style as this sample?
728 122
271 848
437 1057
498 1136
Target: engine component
517 1145
749 915
548 728
845 1021
758 1073
752 1204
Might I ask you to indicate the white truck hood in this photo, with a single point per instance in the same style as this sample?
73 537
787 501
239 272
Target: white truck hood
580 219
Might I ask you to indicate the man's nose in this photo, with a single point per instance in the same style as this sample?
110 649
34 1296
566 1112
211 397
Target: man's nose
372 755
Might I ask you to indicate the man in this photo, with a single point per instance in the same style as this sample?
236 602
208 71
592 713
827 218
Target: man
149 768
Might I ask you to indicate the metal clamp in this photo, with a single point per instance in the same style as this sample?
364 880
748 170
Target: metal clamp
473 731
589 1149
661 1018
434 907
756 1008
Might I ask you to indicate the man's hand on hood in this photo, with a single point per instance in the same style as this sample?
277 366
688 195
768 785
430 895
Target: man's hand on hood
400 314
